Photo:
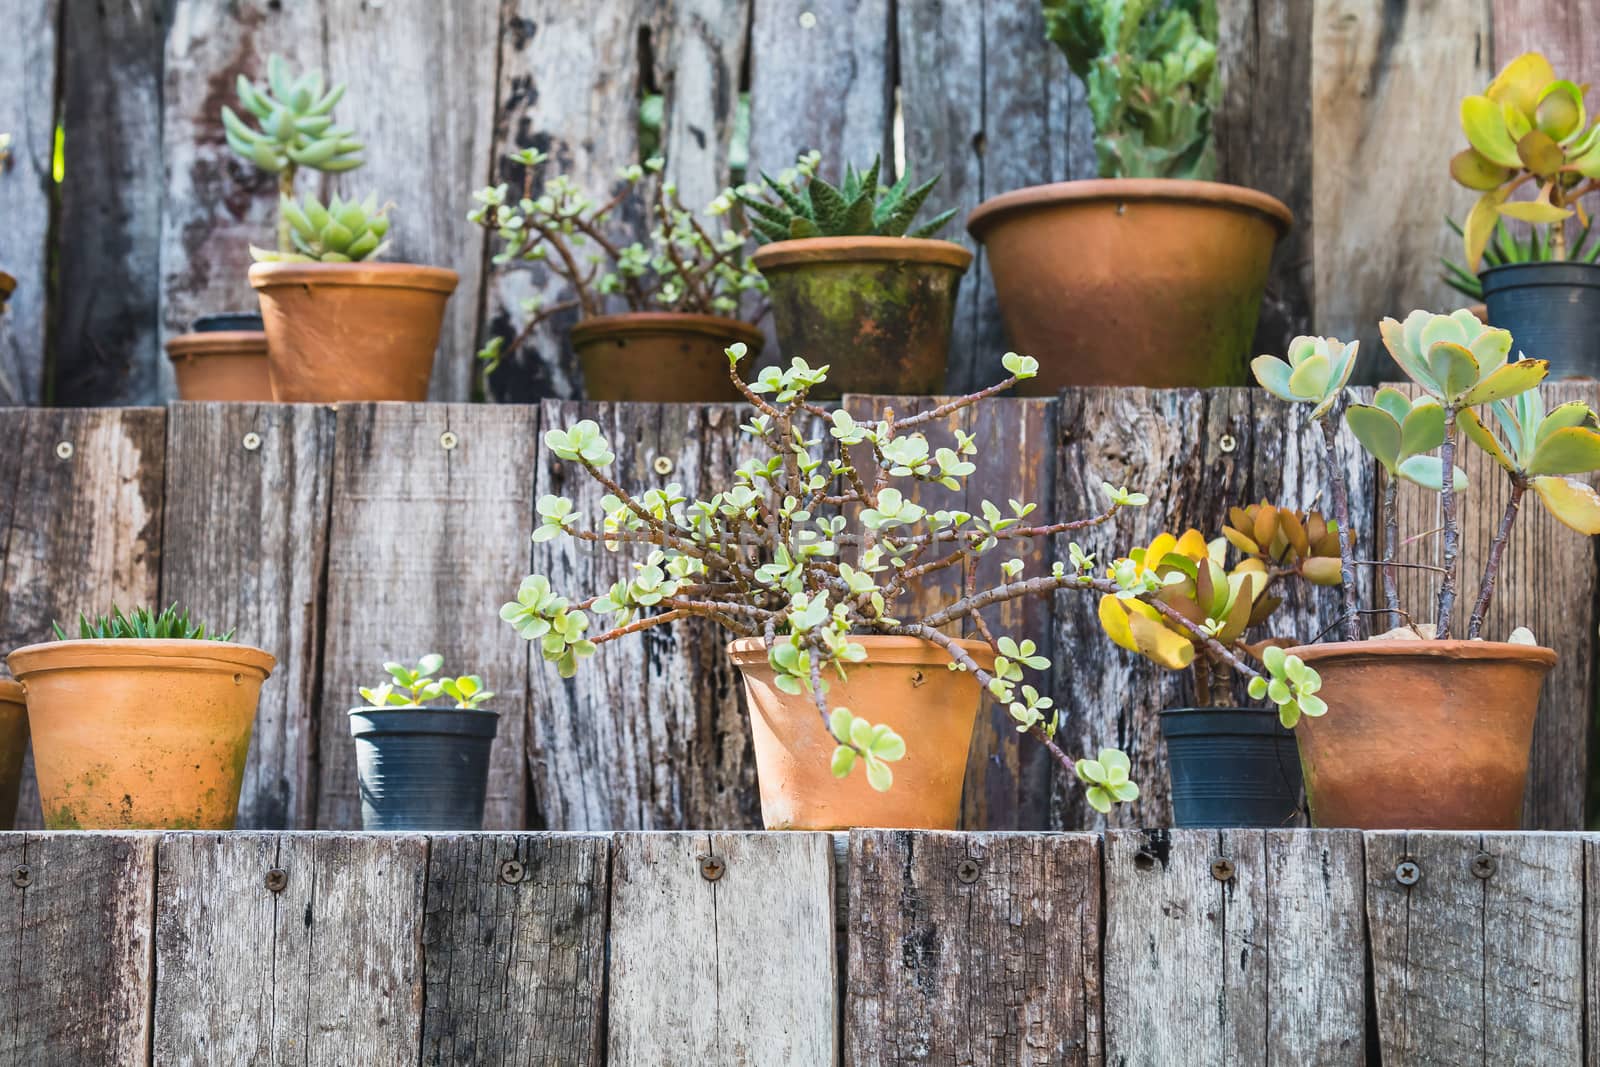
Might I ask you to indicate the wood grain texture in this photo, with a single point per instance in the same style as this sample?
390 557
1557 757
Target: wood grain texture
650 734
27 113
1561 29
698 53
106 327
1378 229
997 964
1471 969
245 546
726 972
442 531
328 970
514 956
1263 967
1549 582
1195 454
76 970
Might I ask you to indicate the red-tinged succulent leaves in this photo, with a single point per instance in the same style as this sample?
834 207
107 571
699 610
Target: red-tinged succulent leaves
1282 537
1457 359
1316 369
1573 502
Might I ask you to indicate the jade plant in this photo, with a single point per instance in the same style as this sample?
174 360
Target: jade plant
143 624
800 204
1528 129
414 687
685 265
820 541
1150 68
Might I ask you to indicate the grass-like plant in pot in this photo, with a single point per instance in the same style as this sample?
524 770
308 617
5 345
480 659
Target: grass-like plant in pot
680 289
1079 265
1533 157
340 326
422 748
142 721
1428 724
855 278
862 712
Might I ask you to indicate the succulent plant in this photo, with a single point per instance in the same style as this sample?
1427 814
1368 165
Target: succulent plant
142 624
294 123
859 207
413 687
1402 434
1150 67
1315 372
1286 541
1540 450
1507 247
1528 127
345 231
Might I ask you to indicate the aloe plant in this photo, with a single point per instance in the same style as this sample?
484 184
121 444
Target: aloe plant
143 624
806 205
414 687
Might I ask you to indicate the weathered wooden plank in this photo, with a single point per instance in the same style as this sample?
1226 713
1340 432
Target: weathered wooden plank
569 86
28 114
245 546
1561 29
325 969
671 749
76 970
514 947
1549 580
698 52
727 970
432 508
105 332
1264 62
1195 453
973 948
422 89
1480 959
1262 965
82 524
1378 233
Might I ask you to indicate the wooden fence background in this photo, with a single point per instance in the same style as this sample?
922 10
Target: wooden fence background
1344 109
884 948
339 538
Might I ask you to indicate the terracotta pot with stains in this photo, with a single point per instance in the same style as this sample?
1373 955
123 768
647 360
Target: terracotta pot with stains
661 356
140 734
351 331
8 285
13 747
1123 281
906 683
223 357
876 310
1422 735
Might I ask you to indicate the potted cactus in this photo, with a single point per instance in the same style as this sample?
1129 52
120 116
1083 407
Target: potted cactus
141 722
1532 156
339 325
13 747
1106 279
854 280
1428 724
222 357
681 287
423 767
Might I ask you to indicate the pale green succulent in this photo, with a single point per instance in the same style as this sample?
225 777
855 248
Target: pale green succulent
345 231
1290 684
1399 433
1315 372
1458 360
294 123
412 687
1107 779
878 746
1540 449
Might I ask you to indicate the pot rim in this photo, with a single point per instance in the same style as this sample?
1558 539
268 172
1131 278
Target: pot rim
375 275
1505 271
1181 190
11 692
217 343
638 322
881 648
8 284
1453 649
810 251
170 654
396 709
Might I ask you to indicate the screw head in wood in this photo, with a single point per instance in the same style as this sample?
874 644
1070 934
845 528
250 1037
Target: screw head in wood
1483 865
662 465
1406 872
511 872
712 868
448 441
1222 870
64 450
1227 442
277 879
252 441
967 871
22 876
808 20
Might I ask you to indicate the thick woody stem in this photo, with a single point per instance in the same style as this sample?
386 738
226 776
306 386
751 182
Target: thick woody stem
950 406
1452 532
285 188
1497 549
1341 514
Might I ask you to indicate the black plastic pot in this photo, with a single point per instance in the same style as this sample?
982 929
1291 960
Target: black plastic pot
228 322
1552 311
1231 767
422 768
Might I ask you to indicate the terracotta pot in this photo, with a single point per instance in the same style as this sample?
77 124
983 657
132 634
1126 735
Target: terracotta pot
137 734
1152 282
351 331
1422 735
906 683
661 356
876 310
8 285
13 746
228 365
